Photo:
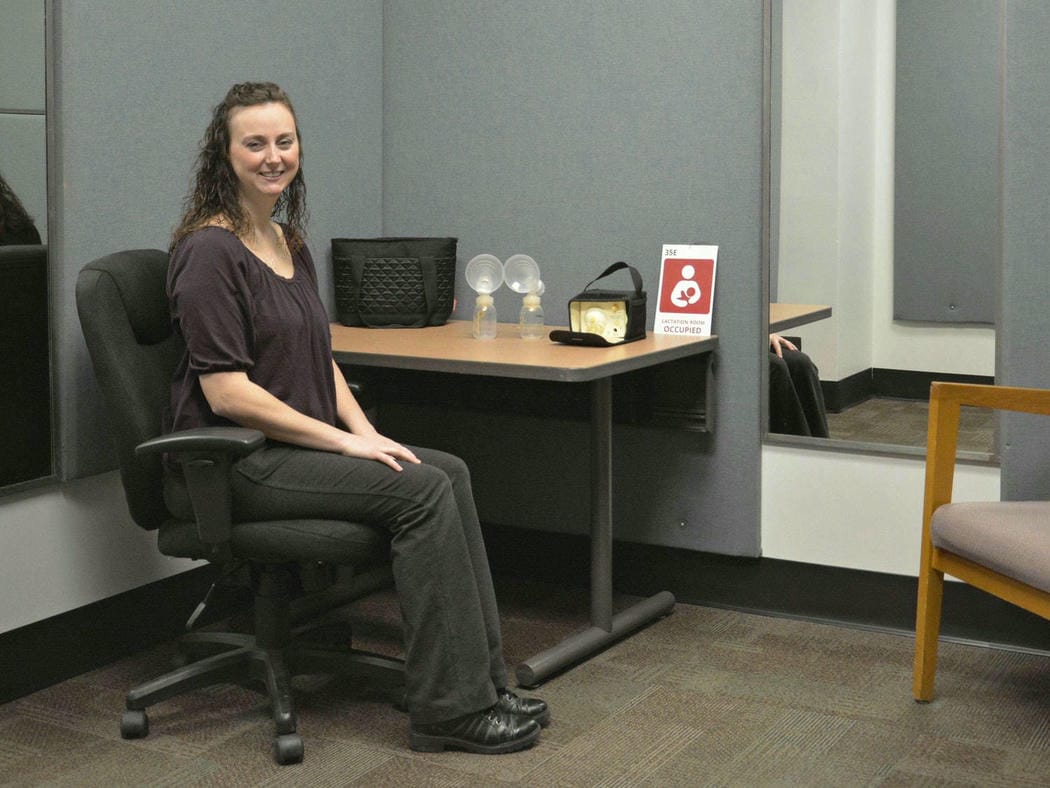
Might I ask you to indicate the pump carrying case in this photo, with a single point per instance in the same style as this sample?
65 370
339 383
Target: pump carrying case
606 317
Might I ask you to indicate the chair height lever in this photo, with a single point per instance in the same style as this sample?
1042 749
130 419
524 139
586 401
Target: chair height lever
201 606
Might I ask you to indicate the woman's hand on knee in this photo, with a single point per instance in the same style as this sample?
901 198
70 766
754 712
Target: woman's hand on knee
778 344
378 447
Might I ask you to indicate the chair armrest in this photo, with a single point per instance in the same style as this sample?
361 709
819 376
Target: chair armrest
943 430
1013 398
235 441
206 456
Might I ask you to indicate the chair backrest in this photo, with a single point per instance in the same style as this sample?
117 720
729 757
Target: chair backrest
124 315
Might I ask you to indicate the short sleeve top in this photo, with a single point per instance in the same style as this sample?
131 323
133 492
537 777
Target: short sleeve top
235 314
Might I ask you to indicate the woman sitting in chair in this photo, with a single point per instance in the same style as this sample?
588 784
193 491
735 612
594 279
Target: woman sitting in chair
243 295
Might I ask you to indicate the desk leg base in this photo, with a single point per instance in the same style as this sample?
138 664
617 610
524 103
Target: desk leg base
587 642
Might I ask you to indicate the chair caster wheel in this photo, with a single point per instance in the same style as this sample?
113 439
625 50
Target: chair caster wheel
288 748
134 724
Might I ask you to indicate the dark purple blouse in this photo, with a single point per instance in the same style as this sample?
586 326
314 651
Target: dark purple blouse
235 314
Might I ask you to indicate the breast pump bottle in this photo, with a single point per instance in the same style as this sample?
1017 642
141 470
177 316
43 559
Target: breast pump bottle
484 275
485 323
530 321
522 275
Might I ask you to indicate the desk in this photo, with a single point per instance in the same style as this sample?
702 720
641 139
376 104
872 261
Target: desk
451 348
785 316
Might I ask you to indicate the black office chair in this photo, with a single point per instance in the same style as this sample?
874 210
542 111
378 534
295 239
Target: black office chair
124 316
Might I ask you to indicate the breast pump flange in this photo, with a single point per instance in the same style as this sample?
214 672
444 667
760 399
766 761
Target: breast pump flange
522 275
484 273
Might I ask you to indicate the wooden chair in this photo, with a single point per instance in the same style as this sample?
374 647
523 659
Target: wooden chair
1001 547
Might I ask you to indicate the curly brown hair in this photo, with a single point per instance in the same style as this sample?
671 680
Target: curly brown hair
16 225
215 194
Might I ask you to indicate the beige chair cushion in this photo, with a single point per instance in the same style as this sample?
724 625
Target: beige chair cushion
1009 537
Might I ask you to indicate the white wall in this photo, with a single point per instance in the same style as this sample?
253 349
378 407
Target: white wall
836 222
70 545
829 133
857 511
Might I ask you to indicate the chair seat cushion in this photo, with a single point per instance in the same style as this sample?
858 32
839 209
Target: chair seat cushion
332 541
1010 537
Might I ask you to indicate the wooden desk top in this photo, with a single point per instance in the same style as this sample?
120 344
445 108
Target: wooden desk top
451 348
785 316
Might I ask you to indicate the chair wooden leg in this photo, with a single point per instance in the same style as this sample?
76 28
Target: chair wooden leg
927 630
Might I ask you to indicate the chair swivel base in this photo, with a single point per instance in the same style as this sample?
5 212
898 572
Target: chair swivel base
244 659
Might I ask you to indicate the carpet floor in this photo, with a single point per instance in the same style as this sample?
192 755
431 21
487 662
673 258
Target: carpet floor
704 697
902 422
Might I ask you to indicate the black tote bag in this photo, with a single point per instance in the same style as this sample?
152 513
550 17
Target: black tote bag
394 282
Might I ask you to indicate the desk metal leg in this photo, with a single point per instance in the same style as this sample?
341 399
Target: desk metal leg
601 504
605 628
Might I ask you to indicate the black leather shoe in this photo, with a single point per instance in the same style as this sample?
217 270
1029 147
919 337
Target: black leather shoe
526 707
490 732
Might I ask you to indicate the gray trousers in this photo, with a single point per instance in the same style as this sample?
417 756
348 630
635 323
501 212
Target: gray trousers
454 652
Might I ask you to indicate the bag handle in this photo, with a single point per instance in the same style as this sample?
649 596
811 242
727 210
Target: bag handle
635 276
428 270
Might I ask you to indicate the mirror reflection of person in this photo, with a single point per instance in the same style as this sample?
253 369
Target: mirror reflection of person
243 295
796 401
16 226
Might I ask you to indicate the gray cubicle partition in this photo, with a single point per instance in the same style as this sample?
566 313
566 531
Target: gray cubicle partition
946 201
1024 324
585 133
135 85
581 133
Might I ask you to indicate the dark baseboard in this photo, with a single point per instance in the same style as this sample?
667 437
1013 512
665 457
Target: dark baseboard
908 384
46 652
842 394
892 383
41 654
766 586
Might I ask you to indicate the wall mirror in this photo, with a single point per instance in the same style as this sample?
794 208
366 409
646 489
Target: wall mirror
25 384
884 168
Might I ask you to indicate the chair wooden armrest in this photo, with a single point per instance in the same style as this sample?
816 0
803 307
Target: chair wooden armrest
942 435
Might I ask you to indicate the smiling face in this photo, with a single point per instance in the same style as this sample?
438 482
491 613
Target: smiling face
264 150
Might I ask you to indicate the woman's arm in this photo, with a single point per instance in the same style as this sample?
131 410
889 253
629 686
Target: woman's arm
347 407
233 396
349 411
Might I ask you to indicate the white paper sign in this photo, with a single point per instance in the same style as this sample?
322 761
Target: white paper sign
687 290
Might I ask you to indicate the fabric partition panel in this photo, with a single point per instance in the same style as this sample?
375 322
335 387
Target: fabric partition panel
1025 319
166 65
582 134
946 201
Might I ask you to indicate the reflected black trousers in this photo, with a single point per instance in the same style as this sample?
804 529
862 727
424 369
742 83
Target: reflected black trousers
796 401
